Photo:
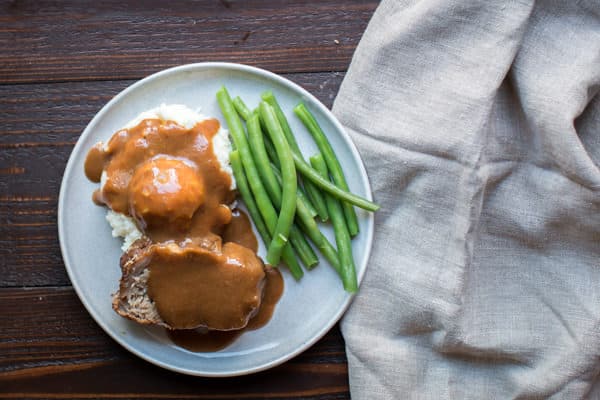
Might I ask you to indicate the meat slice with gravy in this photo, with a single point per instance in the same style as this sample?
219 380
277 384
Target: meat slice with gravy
190 286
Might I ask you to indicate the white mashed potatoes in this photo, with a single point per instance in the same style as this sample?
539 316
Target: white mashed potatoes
122 225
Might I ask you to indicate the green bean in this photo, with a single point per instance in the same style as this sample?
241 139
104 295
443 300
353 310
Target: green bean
272 154
307 171
316 197
300 244
311 229
241 144
342 236
242 185
236 129
269 97
333 163
257 147
289 183
304 199
244 189
317 202
264 146
289 258
241 108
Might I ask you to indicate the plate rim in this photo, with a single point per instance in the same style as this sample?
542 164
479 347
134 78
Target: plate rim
68 171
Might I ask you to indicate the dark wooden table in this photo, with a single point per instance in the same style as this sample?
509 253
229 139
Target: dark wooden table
60 62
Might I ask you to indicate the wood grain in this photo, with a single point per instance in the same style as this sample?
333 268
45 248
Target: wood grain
109 40
50 347
41 124
60 62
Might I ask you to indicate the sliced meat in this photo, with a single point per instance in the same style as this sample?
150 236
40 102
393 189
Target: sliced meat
188 286
132 300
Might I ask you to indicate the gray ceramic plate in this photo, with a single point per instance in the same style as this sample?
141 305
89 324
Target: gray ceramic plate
307 310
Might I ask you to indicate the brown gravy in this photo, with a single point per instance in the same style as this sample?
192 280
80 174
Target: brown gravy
203 340
168 179
194 286
239 231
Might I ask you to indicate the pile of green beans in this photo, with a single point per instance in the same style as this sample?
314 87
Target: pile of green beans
283 193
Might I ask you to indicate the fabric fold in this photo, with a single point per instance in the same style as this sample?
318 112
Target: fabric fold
478 125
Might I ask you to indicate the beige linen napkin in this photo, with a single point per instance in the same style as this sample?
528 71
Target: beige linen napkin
479 124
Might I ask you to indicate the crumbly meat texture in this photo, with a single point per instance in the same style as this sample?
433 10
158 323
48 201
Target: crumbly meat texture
132 300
